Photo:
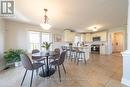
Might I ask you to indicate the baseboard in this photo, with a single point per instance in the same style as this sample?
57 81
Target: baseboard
125 82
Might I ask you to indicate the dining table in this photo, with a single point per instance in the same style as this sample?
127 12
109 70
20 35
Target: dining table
48 71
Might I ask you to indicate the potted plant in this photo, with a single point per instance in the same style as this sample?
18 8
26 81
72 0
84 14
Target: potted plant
46 45
12 56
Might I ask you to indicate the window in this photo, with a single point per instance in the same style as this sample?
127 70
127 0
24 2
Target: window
77 40
36 39
45 37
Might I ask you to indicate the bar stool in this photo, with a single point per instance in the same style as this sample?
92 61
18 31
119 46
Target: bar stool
72 54
80 55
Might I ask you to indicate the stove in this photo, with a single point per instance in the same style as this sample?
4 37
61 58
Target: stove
95 48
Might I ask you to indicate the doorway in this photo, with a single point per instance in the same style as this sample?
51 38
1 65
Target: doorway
117 42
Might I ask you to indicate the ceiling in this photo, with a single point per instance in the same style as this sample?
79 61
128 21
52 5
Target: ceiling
77 15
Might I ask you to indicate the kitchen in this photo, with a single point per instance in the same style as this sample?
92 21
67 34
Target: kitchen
96 42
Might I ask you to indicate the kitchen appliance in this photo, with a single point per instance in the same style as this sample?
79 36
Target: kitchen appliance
95 49
97 38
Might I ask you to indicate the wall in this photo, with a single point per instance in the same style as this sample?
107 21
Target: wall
126 55
2 63
113 30
17 34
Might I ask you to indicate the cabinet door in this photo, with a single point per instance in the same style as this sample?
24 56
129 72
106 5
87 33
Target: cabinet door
83 37
88 38
66 35
72 37
69 36
103 36
103 49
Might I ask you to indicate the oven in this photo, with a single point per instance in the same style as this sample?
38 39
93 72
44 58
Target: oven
95 49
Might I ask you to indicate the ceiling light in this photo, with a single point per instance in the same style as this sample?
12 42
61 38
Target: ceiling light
93 28
45 25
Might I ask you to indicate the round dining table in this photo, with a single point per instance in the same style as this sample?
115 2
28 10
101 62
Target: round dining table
48 71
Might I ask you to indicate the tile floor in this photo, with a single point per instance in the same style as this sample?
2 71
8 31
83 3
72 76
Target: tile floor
100 71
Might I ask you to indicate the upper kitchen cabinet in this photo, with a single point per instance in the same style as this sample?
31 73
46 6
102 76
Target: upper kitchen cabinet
103 36
69 35
88 37
83 37
72 36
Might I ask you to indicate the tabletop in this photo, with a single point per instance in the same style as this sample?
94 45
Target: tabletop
44 54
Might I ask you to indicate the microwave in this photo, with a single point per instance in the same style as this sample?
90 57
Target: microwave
96 38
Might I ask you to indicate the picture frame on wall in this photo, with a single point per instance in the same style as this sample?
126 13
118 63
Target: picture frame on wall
57 38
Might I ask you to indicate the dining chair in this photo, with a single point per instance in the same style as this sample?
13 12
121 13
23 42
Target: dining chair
57 51
35 51
28 65
65 48
36 58
57 56
59 62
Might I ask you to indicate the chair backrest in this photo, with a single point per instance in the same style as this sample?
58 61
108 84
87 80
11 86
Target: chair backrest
35 51
76 49
57 51
62 57
26 61
64 48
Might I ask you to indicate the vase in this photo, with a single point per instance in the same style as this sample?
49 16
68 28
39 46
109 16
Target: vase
17 64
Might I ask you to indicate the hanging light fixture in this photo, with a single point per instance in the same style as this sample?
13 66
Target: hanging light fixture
45 25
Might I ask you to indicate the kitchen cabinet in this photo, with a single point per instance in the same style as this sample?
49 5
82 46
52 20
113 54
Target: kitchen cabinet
83 37
72 36
88 38
102 35
102 49
69 35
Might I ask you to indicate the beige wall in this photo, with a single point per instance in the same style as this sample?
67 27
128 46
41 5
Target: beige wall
2 63
122 29
17 34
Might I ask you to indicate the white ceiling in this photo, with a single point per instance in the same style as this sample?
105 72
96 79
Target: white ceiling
73 14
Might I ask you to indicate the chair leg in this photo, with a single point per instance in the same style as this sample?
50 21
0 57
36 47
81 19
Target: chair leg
78 59
75 57
55 68
24 77
84 58
42 69
59 73
64 68
31 78
37 70
69 54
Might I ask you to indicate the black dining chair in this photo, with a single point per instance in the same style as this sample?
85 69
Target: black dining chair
36 58
35 51
57 54
28 65
59 62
